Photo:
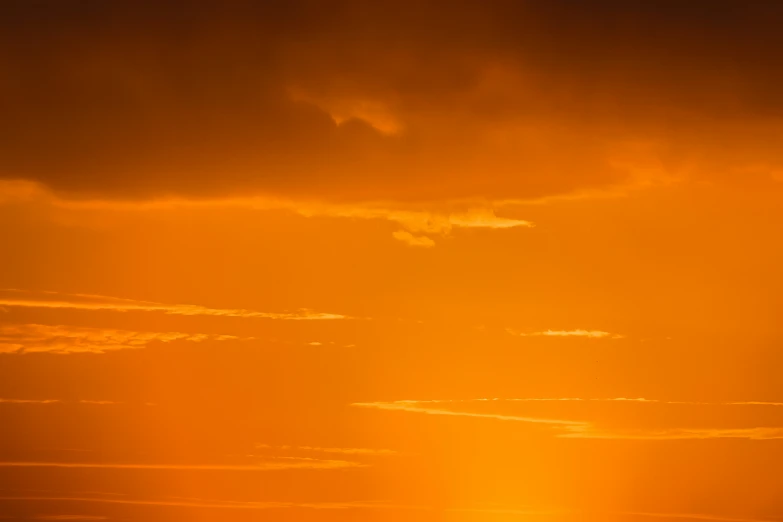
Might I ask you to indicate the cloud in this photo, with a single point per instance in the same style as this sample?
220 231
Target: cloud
592 334
416 223
343 451
583 399
514 511
351 101
415 406
441 222
29 401
215 504
756 433
69 517
535 512
419 221
56 401
28 338
573 429
271 464
411 240
697 516
613 399
27 299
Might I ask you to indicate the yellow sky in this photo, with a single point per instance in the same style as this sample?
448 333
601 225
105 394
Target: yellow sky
423 261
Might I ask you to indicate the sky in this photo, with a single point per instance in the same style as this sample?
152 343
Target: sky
432 261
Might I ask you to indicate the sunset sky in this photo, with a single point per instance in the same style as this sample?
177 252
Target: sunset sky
391 260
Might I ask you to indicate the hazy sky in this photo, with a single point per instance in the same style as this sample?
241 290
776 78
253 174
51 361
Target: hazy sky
449 261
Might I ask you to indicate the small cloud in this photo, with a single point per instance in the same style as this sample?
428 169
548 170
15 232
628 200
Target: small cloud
315 343
592 334
411 240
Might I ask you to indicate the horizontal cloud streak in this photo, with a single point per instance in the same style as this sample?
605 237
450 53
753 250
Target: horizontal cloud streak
697 516
533 512
571 429
413 407
757 433
609 399
29 401
592 334
21 298
28 338
216 504
56 401
414 223
344 451
69 517
270 465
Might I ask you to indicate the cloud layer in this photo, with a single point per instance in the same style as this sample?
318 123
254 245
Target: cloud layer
346 100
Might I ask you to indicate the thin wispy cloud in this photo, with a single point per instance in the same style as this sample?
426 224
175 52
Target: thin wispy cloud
272 464
26 299
573 429
605 399
591 334
698 516
29 401
69 517
512 511
631 514
56 401
28 338
343 451
757 433
215 504
418 407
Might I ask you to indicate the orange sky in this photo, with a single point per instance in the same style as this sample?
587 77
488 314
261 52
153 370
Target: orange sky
337 260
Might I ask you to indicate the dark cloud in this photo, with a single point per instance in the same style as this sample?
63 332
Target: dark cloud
401 101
